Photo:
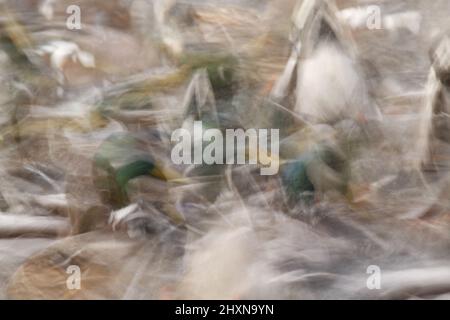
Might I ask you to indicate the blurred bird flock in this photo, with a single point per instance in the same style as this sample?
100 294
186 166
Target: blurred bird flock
360 91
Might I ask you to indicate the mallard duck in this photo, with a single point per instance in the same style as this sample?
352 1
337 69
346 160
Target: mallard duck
434 122
313 159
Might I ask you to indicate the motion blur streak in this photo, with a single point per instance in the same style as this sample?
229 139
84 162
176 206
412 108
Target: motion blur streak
93 207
